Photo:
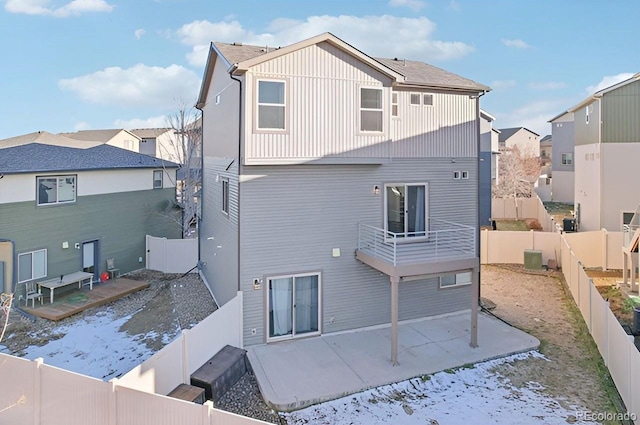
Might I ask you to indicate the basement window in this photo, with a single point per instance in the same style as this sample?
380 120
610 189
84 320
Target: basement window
458 279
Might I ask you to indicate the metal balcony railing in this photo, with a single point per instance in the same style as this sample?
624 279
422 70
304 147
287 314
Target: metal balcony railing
443 242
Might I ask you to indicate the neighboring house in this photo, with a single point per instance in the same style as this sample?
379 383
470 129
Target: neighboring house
339 191
607 147
546 151
526 140
489 156
117 137
158 143
562 165
69 208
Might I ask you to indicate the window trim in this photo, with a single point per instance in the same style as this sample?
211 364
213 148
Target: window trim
456 284
224 181
293 335
32 269
256 124
385 215
431 99
161 179
411 94
58 202
361 109
465 175
566 158
395 103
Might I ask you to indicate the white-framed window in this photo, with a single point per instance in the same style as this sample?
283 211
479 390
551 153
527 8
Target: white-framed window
406 210
465 175
394 104
371 111
225 195
567 158
157 179
294 305
56 189
586 113
271 106
32 265
427 99
414 99
458 279
456 175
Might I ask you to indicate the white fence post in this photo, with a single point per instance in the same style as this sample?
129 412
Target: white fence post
185 357
112 413
37 390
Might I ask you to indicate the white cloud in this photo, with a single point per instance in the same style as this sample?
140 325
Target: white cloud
79 126
385 35
411 4
609 81
43 7
550 85
454 5
140 85
139 33
532 115
502 84
516 43
152 122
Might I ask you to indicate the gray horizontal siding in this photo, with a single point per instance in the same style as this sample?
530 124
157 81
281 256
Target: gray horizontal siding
218 231
293 216
119 221
620 112
562 136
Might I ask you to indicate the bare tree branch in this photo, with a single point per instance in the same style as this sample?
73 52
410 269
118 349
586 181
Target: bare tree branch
518 173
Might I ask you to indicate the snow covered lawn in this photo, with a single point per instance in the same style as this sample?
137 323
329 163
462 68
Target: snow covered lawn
475 395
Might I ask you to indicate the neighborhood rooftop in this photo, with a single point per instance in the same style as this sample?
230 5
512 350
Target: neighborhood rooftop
37 157
102 136
148 133
505 133
415 73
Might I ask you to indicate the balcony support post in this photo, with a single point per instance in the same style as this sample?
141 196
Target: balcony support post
395 281
475 300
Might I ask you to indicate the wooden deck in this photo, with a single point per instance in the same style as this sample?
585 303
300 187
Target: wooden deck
71 302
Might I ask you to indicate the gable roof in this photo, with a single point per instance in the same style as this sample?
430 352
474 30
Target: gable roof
38 157
600 93
506 133
102 136
46 138
148 133
240 57
545 139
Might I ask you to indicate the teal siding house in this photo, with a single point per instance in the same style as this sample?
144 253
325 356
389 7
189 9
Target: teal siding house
69 205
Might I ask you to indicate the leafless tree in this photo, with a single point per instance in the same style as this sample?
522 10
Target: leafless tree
182 145
518 173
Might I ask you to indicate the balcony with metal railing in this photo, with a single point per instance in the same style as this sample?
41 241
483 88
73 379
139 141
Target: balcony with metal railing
446 246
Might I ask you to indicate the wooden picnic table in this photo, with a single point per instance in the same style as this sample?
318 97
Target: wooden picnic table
67 279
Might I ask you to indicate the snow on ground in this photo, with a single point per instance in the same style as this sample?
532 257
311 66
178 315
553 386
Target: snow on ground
477 395
96 347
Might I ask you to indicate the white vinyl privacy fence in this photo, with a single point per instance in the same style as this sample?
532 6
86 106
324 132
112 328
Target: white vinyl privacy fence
522 208
34 393
171 255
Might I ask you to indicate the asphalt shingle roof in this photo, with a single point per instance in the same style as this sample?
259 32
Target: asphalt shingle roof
36 158
415 72
102 136
149 133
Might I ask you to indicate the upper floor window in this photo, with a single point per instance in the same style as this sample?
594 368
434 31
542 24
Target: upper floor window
271 105
32 265
157 179
56 189
567 158
371 111
415 99
394 104
427 99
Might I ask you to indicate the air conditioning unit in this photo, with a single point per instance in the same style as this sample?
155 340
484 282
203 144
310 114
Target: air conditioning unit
532 259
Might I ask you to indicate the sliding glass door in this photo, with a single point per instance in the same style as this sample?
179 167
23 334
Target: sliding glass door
294 306
406 209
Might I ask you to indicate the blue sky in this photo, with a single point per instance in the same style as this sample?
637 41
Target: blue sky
88 64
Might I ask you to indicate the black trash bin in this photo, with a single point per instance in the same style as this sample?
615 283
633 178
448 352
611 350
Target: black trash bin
636 320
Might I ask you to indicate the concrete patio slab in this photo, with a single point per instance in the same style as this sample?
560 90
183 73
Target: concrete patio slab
296 374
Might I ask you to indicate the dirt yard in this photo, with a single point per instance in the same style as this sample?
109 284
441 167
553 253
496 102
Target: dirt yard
537 302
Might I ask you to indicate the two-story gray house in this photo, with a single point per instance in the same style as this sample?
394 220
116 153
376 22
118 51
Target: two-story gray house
340 191
562 160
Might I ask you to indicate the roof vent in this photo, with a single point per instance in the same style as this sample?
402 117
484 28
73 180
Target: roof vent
237 43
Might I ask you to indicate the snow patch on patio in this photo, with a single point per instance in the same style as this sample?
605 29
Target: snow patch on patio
478 394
